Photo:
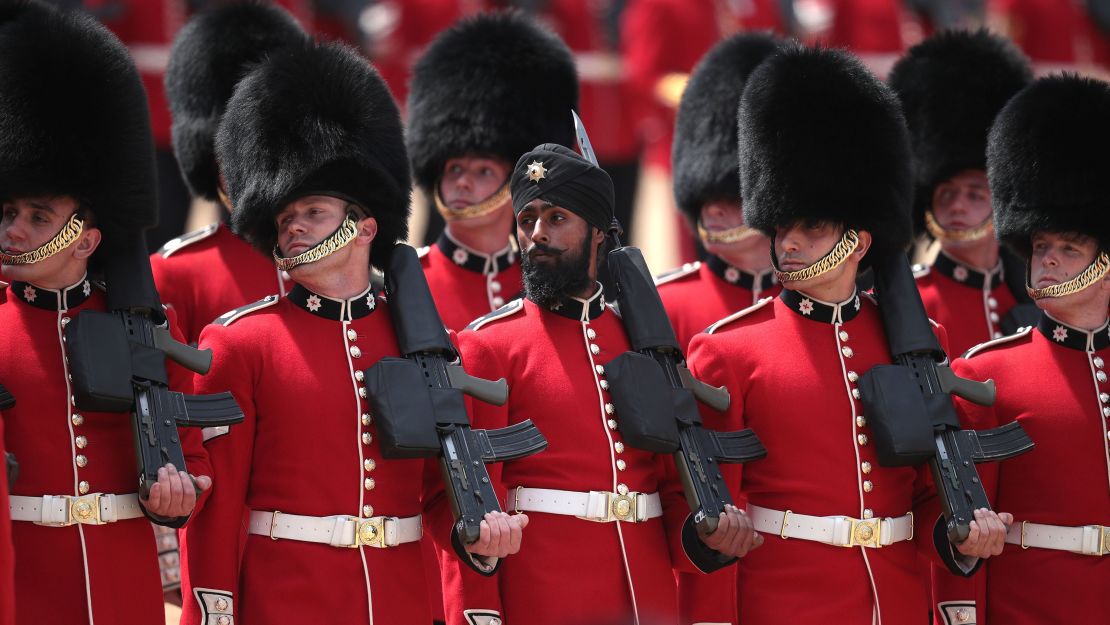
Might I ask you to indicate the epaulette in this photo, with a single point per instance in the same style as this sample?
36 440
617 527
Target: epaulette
3 285
920 271
614 308
511 308
231 316
421 252
737 315
188 239
675 274
982 347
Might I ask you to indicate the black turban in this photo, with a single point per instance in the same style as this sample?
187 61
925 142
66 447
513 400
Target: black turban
558 175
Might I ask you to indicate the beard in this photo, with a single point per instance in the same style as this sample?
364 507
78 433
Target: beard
546 283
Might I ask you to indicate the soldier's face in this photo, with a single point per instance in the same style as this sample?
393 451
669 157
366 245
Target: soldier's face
29 222
470 179
1059 257
963 201
724 215
558 251
803 243
307 221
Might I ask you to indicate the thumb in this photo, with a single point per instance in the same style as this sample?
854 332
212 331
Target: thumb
203 482
1006 518
523 519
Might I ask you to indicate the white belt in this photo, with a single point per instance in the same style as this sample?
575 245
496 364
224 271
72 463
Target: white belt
840 531
65 510
337 531
596 505
1089 540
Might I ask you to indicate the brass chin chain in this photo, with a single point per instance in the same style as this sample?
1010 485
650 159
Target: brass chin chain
65 238
336 241
836 256
1092 274
732 235
484 207
940 233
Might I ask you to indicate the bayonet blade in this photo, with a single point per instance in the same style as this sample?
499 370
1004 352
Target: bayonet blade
584 145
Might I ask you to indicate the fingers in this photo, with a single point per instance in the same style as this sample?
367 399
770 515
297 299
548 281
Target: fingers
203 482
735 536
988 534
169 476
500 535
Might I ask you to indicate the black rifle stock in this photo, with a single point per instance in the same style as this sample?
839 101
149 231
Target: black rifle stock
910 407
118 363
419 404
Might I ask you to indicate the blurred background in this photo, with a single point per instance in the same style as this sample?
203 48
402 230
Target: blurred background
632 56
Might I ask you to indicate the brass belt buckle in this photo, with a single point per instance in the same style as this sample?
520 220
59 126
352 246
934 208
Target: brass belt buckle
1103 540
865 533
85 510
369 532
623 507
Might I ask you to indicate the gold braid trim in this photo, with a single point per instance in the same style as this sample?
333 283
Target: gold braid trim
732 235
940 233
836 256
484 207
65 238
1094 272
339 239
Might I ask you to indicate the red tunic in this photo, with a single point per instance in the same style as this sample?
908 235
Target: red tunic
79 573
467 284
1052 379
571 570
7 550
203 274
308 446
790 364
969 304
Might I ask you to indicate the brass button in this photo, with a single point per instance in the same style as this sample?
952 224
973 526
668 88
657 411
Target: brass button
362 392
359 376
351 334
1104 397
498 302
495 621
65 321
604 385
82 442
1108 435
861 421
77 419
868 486
997 335
223 620
367 438
221 604
600 370
862 438
495 286
612 424
622 489
855 393
1100 376
367 511
843 335
590 334
865 466
994 317
621 465
369 483
864 533
847 351
867 513
962 615
1106 411
82 460
369 464
993 303
1099 362
618 447
356 352
83 487
594 349
610 409
853 376
366 419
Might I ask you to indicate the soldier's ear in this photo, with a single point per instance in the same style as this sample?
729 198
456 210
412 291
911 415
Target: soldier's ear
864 245
87 243
367 230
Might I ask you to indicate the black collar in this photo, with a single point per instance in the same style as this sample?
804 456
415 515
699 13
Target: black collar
1083 340
739 277
335 309
581 309
473 260
816 310
53 299
968 276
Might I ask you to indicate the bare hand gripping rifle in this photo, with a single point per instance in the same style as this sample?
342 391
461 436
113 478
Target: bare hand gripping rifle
419 405
909 405
118 364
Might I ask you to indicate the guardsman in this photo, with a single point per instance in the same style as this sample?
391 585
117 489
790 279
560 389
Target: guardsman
825 171
77 180
590 494
313 155
466 129
951 87
1046 163
736 272
203 274
7 551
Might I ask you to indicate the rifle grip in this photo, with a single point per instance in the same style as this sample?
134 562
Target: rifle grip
495 393
193 359
981 393
716 397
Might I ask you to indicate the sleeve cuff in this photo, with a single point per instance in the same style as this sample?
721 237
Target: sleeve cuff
954 561
216 606
482 617
480 564
701 556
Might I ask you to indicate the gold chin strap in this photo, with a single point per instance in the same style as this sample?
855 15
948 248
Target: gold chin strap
484 207
732 235
940 233
335 241
1094 272
836 256
65 238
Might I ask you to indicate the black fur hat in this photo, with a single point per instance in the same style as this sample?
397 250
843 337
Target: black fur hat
314 119
1048 161
704 149
952 86
822 138
74 120
210 54
497 84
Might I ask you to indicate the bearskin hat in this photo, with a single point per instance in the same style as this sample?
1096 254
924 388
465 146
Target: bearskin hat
210 54
822 138
314 119
497 84
704 149
951 87
74 120
1048 159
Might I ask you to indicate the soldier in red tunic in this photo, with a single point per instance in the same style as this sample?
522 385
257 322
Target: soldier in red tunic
736 273
77 182
951 87
7 551
1047 162
825 170
467 127
203 274
312 150
619 506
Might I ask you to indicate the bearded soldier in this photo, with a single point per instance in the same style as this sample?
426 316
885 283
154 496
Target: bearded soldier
467 128
951 87
77 182
824 169
206 273
312 151
1046 163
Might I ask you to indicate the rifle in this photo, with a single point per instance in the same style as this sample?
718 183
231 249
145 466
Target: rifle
118 363
421 412
909 406
12 467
